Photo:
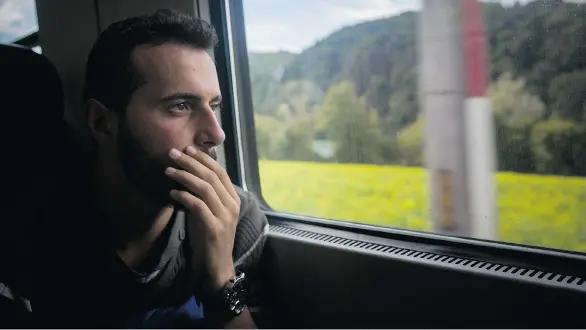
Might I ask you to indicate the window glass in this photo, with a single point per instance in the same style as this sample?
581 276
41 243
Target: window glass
18 18
470 122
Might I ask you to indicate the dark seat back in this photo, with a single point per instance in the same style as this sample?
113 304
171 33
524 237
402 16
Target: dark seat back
31 142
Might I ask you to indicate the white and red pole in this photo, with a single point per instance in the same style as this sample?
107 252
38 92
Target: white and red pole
459 149
442 90
479 124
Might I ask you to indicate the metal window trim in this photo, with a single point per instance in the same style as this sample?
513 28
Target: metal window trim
227 16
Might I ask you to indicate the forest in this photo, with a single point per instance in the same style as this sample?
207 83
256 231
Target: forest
357 90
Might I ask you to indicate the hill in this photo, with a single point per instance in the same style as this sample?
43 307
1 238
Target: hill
535 50
269 64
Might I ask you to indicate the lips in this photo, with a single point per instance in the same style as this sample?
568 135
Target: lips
210 152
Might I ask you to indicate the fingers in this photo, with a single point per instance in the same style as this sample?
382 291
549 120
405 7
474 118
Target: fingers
204 167
215 167
194 205
198 187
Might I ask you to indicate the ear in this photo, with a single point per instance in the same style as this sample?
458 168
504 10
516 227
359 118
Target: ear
101 121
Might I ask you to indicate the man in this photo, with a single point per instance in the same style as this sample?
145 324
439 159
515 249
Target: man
158 226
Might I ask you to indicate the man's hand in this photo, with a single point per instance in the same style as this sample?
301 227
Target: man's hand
213 207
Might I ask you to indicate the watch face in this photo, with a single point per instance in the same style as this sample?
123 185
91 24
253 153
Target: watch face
235 295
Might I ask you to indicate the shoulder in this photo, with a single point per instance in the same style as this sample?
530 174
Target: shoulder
249 204
251 232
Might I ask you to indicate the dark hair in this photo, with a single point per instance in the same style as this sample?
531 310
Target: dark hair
111 77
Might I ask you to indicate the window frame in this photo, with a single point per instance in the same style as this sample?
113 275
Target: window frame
227 16
30 41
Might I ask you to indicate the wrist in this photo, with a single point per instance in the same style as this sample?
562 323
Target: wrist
229 301
218 280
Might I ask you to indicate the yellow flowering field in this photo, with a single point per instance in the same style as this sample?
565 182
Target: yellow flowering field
547 211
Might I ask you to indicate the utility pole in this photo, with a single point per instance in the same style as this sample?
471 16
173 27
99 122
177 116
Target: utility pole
459 143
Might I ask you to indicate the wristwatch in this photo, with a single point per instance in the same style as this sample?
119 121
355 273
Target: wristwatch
229 302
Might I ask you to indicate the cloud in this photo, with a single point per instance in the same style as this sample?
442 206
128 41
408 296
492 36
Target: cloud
270 36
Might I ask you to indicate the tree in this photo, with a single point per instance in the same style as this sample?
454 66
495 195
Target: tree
567 93
301 96
513 148
403 110
515 110
297 140
353 127
269 133
512 104
410 143
377 94
559 147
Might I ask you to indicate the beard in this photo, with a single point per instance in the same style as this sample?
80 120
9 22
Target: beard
145 170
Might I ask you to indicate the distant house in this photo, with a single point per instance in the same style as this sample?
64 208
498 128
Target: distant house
278 73
324 148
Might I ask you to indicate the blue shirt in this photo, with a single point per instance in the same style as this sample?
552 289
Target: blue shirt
188 315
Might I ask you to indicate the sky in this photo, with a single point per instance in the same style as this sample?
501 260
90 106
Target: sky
294 25
18 18
271 25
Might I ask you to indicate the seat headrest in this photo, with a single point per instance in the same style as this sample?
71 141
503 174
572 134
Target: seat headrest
31 139
31 86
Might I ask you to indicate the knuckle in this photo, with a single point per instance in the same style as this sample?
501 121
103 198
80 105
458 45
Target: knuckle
180 174
223 176
211 177
185 158
183 194
234 208
234 211
207 189
196 204
234 220
215 234
186 162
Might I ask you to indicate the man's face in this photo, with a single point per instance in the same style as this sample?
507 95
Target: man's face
174 108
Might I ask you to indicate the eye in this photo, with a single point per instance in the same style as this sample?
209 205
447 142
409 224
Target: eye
179 107
217 107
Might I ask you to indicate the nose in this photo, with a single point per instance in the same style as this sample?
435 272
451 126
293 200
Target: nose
209 132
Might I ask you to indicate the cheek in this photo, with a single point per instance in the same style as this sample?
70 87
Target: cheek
161 136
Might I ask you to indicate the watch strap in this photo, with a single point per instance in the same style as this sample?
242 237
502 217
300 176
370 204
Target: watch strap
228 302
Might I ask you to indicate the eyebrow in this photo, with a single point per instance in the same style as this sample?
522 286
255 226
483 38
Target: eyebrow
190 97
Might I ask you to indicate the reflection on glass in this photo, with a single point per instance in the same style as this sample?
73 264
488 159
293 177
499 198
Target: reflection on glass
18 18
340 125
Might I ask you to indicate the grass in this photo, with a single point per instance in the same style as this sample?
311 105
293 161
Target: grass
547 211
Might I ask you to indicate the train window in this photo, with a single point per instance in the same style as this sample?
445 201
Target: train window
363 113
18 19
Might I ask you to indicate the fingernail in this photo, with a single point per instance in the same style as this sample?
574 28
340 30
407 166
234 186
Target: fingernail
191 150
170 170
174 153
174 193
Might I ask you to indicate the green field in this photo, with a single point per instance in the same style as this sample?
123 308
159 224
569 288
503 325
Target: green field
547 211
